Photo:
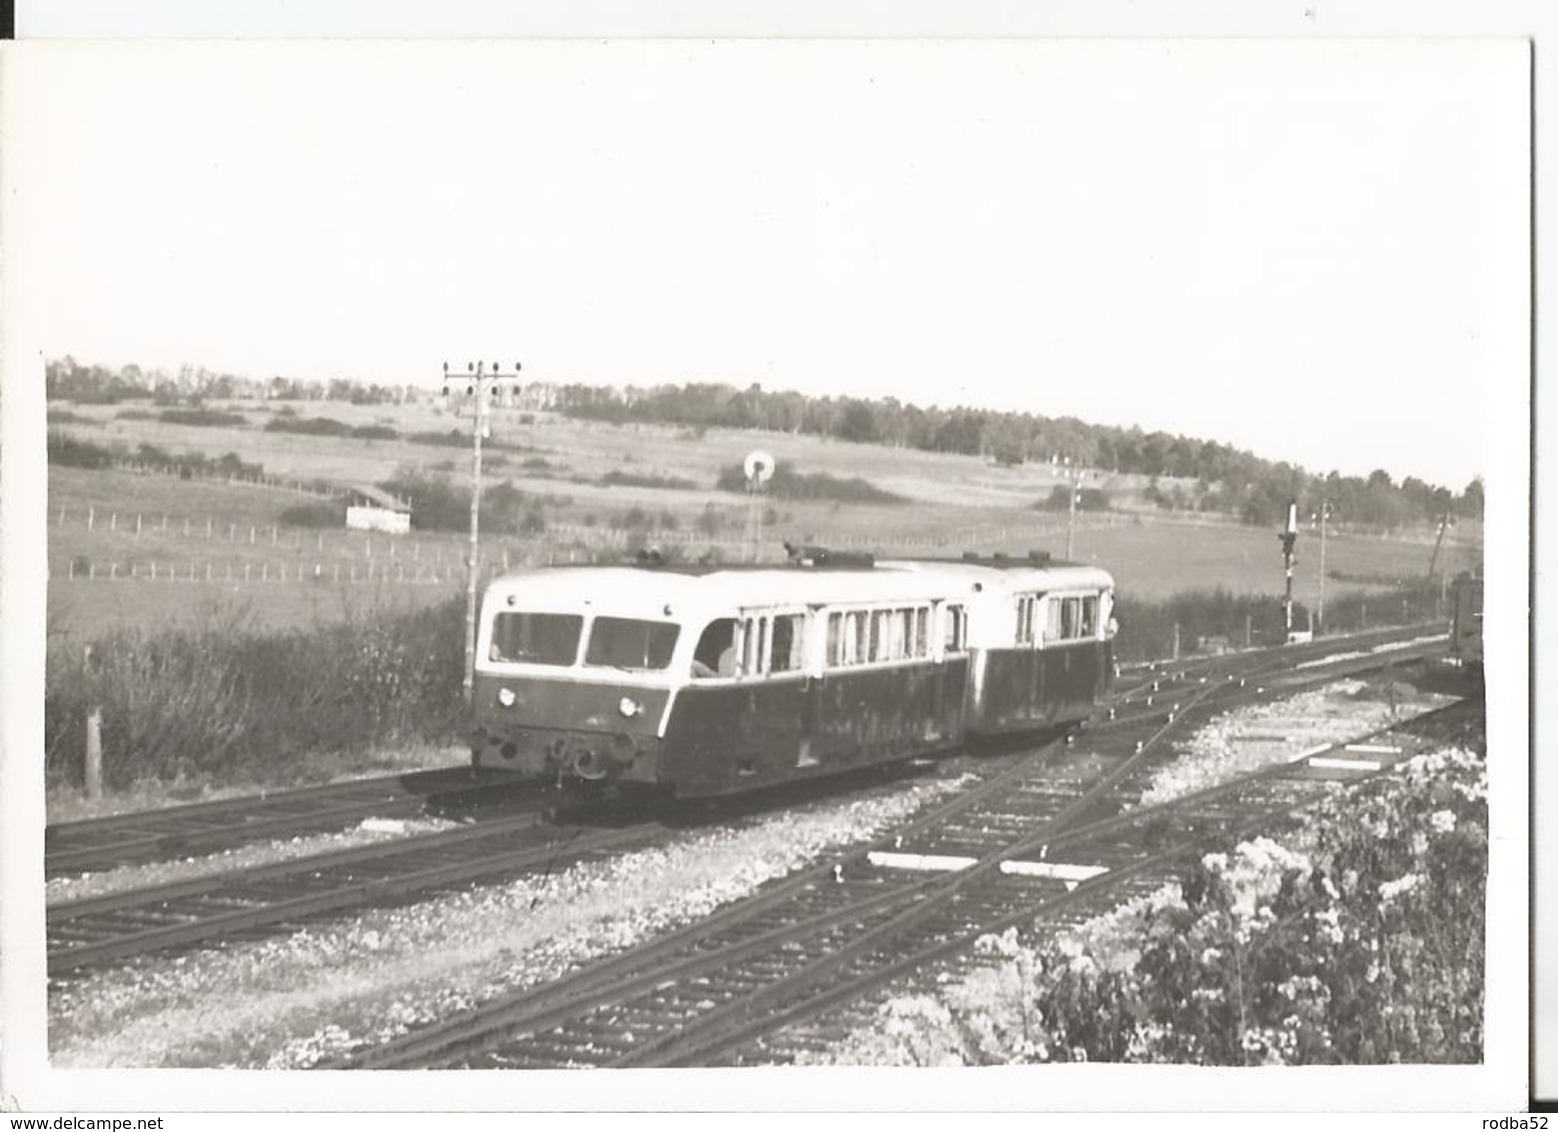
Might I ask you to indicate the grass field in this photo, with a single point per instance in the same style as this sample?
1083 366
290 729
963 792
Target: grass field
220 550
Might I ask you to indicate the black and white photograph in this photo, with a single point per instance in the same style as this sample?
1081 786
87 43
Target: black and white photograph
820 562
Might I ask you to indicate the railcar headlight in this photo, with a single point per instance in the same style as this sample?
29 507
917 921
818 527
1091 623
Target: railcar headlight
629 707
506 697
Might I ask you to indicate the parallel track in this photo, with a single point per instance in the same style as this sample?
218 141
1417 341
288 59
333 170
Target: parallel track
96 844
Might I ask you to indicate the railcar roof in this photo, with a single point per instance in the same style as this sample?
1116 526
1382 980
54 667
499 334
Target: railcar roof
622 586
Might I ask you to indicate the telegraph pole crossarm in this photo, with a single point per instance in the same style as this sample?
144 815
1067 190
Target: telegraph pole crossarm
481 383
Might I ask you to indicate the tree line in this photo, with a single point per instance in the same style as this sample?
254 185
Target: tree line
1202 475
1184 473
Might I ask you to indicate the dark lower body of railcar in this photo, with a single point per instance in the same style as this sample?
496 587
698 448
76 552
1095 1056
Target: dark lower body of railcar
720 737
567 731
1025 689
729 738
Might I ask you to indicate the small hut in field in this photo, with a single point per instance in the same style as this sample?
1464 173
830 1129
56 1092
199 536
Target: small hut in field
370 509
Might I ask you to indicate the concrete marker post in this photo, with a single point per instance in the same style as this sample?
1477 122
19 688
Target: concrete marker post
93 771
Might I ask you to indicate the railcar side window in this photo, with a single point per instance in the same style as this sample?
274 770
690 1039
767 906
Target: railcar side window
1027 606
626 642
1052 619
715 654
1068 618
536 638
954 624
1089 626
786 652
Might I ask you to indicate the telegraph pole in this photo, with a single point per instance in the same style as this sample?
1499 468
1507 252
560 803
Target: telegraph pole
1074 482
1324 515
481 383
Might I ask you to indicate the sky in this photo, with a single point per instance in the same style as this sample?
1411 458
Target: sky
1313 250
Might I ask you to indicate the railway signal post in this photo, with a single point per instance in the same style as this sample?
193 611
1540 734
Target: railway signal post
1288 537
759 468
481 383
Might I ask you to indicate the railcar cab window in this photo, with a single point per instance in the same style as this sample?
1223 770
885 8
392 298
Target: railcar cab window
627 642
536 638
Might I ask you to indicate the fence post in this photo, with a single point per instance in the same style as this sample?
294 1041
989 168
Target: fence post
94 765
232 531
91 517
1176 640
251 534
1363 615
113 521
72 569
1249 630
264 571
273 534
91 571
246 566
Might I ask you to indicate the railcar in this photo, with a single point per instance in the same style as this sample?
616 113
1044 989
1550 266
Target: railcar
710 680
1466 621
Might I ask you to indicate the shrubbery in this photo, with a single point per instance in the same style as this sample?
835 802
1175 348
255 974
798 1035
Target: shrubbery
202 417
324 515
1147 627
1359 941
439 503
235 703
1091 499
787 483
374 432
308 426
615 478
62 448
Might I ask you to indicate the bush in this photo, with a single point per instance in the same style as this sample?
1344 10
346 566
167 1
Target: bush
1088 499
787 483
202 417
454 438
308 426
225 702
325 515
62 448
374 432
615 478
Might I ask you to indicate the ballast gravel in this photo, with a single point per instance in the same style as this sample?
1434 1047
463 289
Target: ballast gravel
292 1001
1249 738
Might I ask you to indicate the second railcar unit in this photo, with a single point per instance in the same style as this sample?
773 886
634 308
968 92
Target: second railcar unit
708 680
1466 620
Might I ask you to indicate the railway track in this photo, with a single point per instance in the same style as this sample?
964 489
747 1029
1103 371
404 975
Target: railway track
207 827
1050 834
119 925
96 930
